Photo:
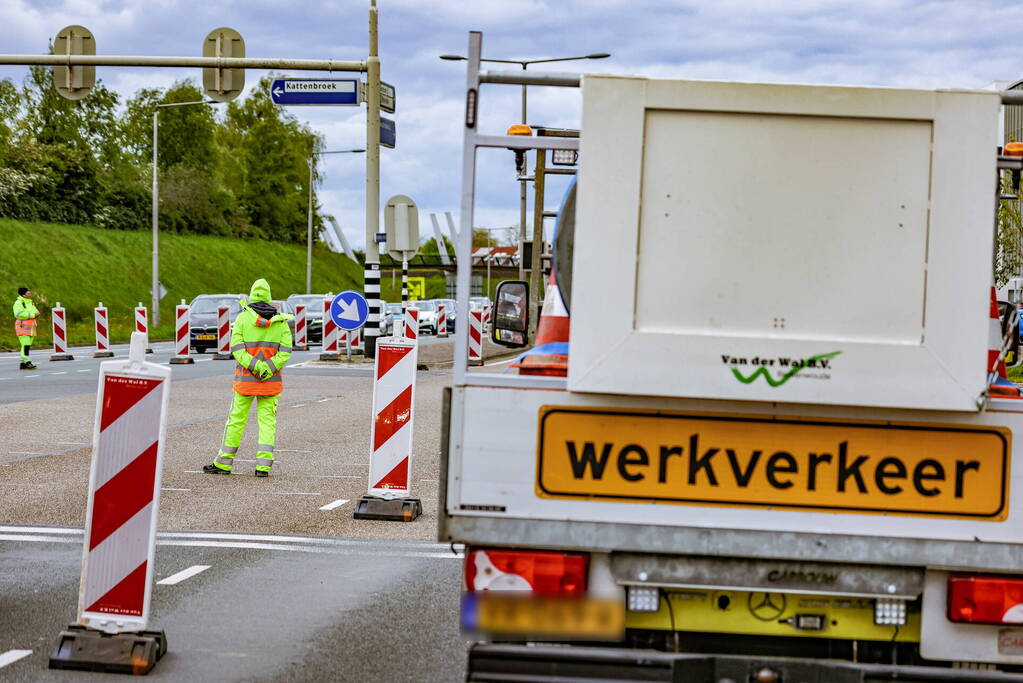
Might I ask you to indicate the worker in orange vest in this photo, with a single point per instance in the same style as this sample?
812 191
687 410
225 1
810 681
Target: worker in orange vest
261 345
25 314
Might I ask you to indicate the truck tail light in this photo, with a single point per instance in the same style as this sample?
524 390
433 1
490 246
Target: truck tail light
985 600
543 573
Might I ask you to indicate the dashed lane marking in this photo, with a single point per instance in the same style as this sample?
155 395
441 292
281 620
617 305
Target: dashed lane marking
499 362
183 574
169 489
289 450
11 656
338 476
194 471
336 504
62 372
85 370
298 405
293 493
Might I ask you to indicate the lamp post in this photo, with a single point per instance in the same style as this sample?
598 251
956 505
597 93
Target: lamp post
309 233
524 63
156 205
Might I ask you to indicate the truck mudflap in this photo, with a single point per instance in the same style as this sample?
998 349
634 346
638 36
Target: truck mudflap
561 664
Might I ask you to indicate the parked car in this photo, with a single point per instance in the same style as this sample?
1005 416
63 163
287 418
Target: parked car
202 330
427 315
385 320
313 314
285 307
449 312
392 317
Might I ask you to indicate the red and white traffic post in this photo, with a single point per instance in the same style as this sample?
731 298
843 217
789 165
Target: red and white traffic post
223 334
120 521
142 323
182 329
59 334
475 337
390 463
102 332
301 341
330 333
442 321
486 318
410 330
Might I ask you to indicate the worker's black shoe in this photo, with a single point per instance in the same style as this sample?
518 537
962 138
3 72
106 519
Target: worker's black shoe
262 473
213 469
27 365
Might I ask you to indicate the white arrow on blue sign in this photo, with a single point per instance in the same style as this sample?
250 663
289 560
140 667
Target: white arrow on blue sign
349 310
317 91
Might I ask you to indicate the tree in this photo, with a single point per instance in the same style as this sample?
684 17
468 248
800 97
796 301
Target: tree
1009 254
430 247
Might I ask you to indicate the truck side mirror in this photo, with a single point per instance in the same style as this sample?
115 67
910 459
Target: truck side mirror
511 314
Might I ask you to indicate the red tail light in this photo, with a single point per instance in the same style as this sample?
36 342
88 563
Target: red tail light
985 600
544 573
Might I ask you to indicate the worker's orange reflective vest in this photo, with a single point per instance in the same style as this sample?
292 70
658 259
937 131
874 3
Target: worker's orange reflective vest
245 381
25 328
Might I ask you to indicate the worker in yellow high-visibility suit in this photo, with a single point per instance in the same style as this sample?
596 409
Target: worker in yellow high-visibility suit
25 314
261 345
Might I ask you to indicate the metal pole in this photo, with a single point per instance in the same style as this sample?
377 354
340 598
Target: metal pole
539 183
522 198
371 273
156 228
309 235
404 283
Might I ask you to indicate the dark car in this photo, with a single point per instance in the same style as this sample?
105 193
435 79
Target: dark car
313 314
203 318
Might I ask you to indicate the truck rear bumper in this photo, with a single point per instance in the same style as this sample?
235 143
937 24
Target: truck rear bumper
553 663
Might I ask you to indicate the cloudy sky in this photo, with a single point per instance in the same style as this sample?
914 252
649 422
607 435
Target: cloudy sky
934 44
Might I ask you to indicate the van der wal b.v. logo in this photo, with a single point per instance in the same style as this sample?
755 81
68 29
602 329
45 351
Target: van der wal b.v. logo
814 367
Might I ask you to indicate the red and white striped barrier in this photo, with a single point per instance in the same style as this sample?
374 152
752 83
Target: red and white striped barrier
59 334
442 321
356 339
390 464
486 317
301 330
142 323
102 332
410 329
182 334
223 334
475 337
124 493
331 334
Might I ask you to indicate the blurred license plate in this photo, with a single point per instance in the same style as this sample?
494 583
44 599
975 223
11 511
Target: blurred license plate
510 615
206 337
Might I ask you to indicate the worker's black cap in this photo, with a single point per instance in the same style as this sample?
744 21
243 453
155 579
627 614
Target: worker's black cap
22 291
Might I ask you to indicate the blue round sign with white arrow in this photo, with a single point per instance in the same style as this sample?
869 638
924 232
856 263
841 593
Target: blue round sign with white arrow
349 310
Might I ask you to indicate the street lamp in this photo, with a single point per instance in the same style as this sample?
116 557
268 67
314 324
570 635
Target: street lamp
522 183
309 234
156 205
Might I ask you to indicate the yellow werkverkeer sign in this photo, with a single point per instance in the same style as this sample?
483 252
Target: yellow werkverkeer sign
928 470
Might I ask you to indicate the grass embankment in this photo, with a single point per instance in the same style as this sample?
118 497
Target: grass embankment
80 266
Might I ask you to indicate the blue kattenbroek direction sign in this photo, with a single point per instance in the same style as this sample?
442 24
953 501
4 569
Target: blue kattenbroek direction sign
317 91
349 310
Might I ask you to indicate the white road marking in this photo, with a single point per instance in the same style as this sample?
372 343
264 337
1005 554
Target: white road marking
23 453
13 483
287 450
86 370
499 362
64 372
323 400
27 376
73 443
183 574
11 656
336 504
298 405
337 476
293 493
168 489
194 471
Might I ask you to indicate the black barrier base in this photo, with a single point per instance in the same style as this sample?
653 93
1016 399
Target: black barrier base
330 356
388 510
182 360
149 350
62 356
86 649
300 348
103 354
222 356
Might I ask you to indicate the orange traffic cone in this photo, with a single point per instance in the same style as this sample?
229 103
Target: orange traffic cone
549 356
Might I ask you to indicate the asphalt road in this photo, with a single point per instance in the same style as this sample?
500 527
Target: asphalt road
266 608
64 378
